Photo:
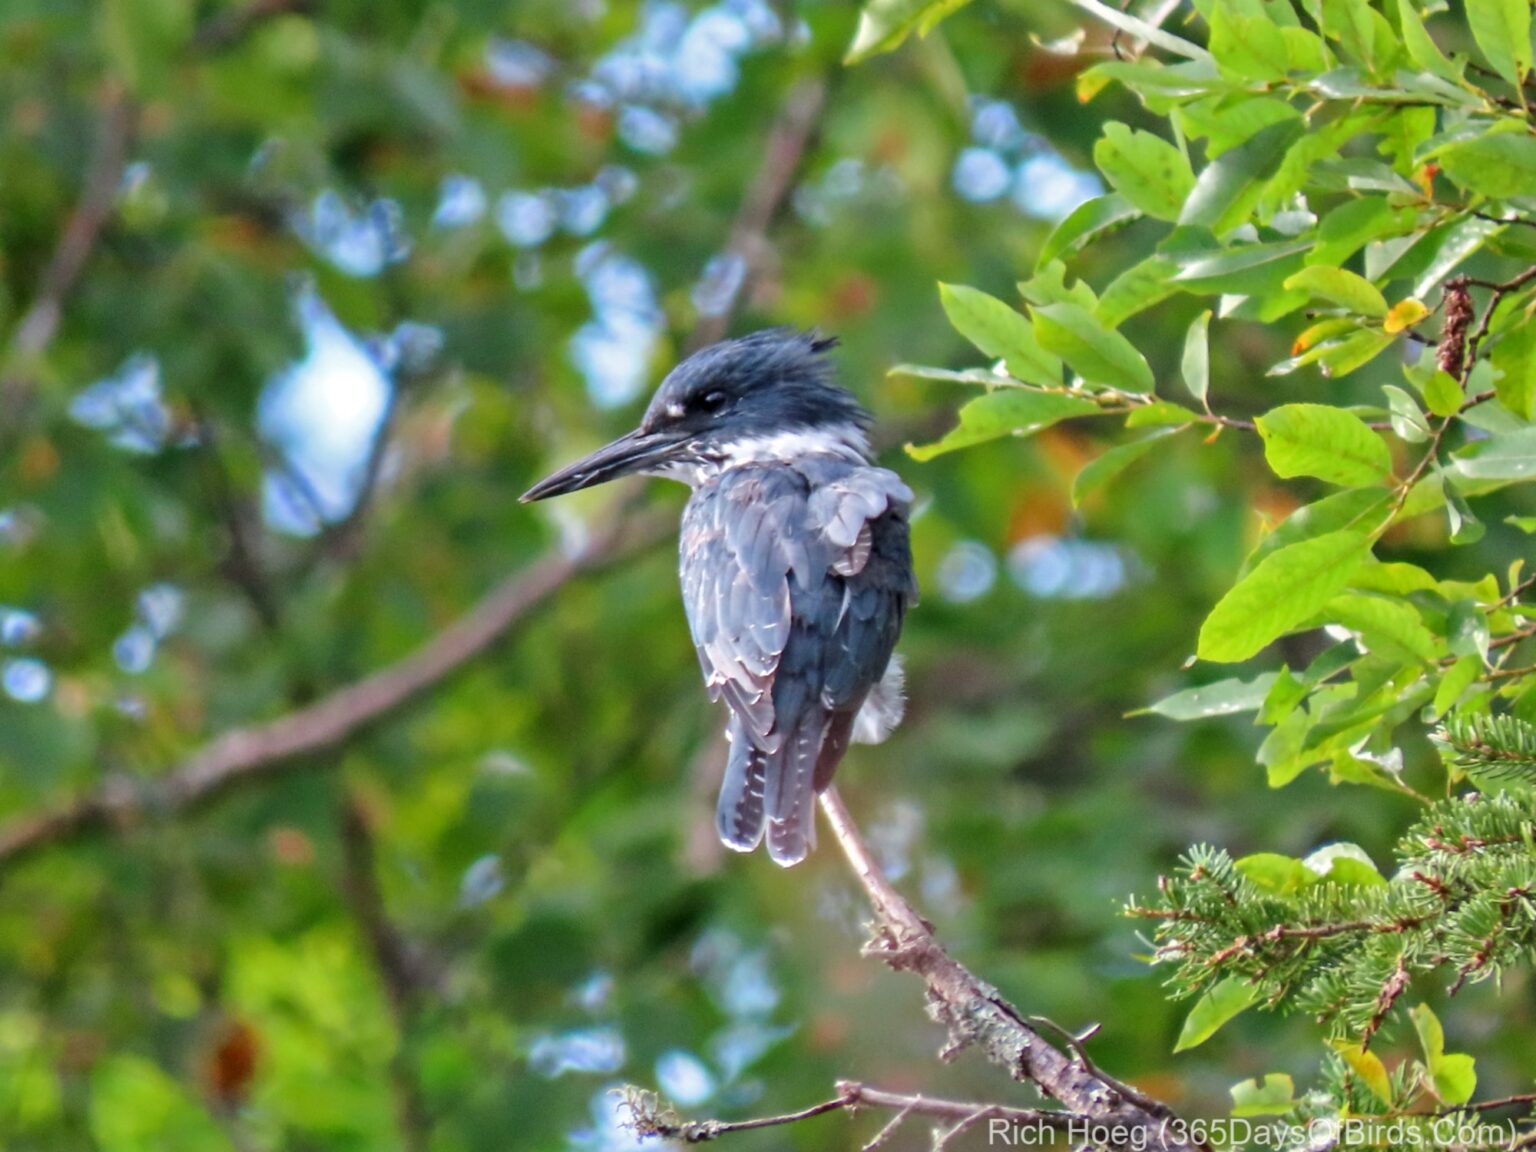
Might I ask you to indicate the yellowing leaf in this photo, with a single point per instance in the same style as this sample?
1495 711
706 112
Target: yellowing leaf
1366 1065
1404 314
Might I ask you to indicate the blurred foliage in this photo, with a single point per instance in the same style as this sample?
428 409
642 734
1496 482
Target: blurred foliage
488 228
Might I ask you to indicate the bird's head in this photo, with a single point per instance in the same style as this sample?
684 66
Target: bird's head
770 392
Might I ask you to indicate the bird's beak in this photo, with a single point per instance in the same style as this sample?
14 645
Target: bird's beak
636 452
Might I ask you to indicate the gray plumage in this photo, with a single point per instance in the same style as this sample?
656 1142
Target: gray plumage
796 575
795 564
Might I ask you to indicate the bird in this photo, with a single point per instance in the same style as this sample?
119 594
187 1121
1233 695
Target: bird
795 564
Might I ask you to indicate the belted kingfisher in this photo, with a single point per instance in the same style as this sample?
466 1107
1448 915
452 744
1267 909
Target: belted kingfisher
796 567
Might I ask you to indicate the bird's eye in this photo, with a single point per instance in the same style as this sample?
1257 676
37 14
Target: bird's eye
712 401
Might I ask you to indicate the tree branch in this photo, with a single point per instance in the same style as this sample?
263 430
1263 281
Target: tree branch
400 967
649 1117
244 755
787 143
40 323
976 1014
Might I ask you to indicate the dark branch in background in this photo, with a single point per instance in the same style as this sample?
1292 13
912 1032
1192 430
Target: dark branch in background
40 323
245 755
401 966
241 564
786 147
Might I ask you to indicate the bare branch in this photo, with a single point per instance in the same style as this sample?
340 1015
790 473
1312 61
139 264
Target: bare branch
976 1014
649 1116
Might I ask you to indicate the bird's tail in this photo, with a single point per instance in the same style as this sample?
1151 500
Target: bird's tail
773 792
740 815
791 790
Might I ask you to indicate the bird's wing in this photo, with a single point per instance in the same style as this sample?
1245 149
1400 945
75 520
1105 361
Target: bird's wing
735 575
795 583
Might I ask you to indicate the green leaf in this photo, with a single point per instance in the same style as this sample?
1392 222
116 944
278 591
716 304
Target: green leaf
1285 590
1344 863
1502 29
1422 49
1225 123
1229 187
1351 508
1219 1005
1008 412
1143 284
1349 227
1442 392
983 376
1354 352
1090 219
1196 364
1343 287
1349 23
1407 418
1322 441
1445 248
1454 1075
1222 698
1455 681
1497 164
1147 170
1284 695
1098 354
1276 874
1247 270
1108 464
885 24
1249 47
1465 527
1514 358
1049 286
1000 331
1274 1094
1160 414
1511 456
1384 625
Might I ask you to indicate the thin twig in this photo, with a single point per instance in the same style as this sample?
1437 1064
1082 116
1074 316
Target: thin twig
648 1117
